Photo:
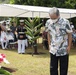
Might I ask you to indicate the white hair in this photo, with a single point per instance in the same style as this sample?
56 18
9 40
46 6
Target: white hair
54 10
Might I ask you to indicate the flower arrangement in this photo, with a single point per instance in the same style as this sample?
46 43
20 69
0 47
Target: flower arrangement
3 59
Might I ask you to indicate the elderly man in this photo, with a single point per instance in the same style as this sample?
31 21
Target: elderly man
21 37
59 40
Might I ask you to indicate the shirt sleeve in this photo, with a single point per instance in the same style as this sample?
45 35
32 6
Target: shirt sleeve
68 27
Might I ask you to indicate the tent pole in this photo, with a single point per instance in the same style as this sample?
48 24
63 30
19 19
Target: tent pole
39 17
70 17
39 14
32 15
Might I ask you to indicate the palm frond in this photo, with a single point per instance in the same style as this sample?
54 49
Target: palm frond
35 21
35 38
28 33
38 25
30 40
32 27
37 32
28 23
28 29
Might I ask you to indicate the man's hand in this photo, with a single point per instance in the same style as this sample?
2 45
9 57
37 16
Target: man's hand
69 42
49 39
49 47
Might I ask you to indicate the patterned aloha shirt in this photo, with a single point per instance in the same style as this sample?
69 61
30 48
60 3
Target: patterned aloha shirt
59 36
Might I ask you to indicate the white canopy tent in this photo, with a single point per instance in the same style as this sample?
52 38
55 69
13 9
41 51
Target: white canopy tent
10 10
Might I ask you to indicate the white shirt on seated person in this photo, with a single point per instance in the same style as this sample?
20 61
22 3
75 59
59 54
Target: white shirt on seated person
10 36
4 40
3 36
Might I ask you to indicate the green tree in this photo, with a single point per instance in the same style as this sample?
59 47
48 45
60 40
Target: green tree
33 30
49 3
4 1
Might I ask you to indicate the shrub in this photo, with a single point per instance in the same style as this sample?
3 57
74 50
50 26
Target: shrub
4 72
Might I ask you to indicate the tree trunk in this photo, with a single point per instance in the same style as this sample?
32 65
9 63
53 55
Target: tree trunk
35 47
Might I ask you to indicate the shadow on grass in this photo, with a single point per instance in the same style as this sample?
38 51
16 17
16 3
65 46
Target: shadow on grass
41 52
39 55
11 70
30 50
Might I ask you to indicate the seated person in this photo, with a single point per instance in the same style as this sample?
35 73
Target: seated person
4 40
13 29
10 35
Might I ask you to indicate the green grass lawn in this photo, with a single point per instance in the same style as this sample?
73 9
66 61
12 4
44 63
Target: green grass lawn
34 65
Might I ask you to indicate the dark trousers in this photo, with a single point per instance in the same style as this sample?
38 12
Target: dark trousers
45 42
63 64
